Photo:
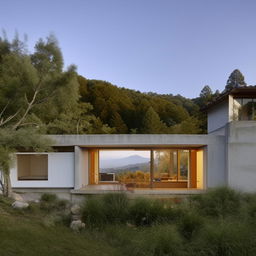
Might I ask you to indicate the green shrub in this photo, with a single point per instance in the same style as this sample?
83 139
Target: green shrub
116 207
48 197
93 212
219 202
164 240
144 212
225 238
50 203
189 223
157 240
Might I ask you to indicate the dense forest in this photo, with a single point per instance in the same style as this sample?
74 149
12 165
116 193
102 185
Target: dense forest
36 91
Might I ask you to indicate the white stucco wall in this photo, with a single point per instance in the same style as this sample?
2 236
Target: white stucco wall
60 173
242 155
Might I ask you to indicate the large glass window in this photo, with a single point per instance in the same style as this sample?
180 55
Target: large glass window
244 109
151 168
130 167
171 165
165 165
32 166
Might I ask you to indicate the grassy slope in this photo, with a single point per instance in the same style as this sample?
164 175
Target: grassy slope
21 233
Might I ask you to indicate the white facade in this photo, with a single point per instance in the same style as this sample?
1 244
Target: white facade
60 173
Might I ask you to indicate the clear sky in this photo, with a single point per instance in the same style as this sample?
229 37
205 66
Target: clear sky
164 46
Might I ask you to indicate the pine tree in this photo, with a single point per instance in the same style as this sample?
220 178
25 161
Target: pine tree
118 123
152 123
236 79
206 92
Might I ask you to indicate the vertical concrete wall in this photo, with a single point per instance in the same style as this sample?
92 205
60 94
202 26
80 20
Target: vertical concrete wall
81 167
60 173
218 116
216 174
242 155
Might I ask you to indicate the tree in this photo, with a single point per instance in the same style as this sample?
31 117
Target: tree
118 123
10 141
236 79
32 87
206 92
28 81
152 123
190 126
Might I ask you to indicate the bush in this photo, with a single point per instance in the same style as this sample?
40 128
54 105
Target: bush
219 202
116 207
93 212
157 240
48 197
110 208
144 212
164 240
225 238
189 223
50 203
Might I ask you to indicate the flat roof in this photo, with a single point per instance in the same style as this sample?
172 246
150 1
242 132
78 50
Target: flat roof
244 92
135 140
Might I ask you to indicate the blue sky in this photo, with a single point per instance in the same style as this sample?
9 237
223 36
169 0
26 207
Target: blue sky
164 46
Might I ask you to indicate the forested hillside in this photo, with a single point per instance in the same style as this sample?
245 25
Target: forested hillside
129 111
36 92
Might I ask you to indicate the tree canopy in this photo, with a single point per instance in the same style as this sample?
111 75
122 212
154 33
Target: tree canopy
236 79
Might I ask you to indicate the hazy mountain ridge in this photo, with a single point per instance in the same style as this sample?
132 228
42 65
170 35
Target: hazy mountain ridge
123 162
132 168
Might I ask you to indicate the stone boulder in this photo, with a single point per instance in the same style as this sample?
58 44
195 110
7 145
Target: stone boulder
76 209
20 205
17 197
77 225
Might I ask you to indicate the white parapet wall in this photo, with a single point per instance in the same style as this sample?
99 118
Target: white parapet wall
60 172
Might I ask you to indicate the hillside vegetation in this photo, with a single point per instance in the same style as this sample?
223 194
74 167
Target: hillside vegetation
220 222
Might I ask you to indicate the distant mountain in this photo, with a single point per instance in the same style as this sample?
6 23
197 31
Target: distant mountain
144 167
122 162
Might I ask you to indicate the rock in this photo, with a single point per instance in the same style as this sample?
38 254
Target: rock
77 225
76 217
17 197
76 209
20 205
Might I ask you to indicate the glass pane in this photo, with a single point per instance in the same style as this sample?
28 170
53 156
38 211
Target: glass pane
184 165
129 167
246 112
237 105
165 165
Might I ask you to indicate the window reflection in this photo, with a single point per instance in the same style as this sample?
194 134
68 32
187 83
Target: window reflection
244 109
171 165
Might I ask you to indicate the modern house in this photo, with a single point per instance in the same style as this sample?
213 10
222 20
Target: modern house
172 164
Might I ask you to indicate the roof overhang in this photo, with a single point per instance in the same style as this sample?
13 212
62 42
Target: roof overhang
136 141
243 92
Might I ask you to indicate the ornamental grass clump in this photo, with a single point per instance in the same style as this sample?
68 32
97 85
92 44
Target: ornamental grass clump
145 212
224 238
116 207
108 209
219 202
93 212
189 223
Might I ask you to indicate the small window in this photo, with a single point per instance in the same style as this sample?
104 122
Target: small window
32 167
